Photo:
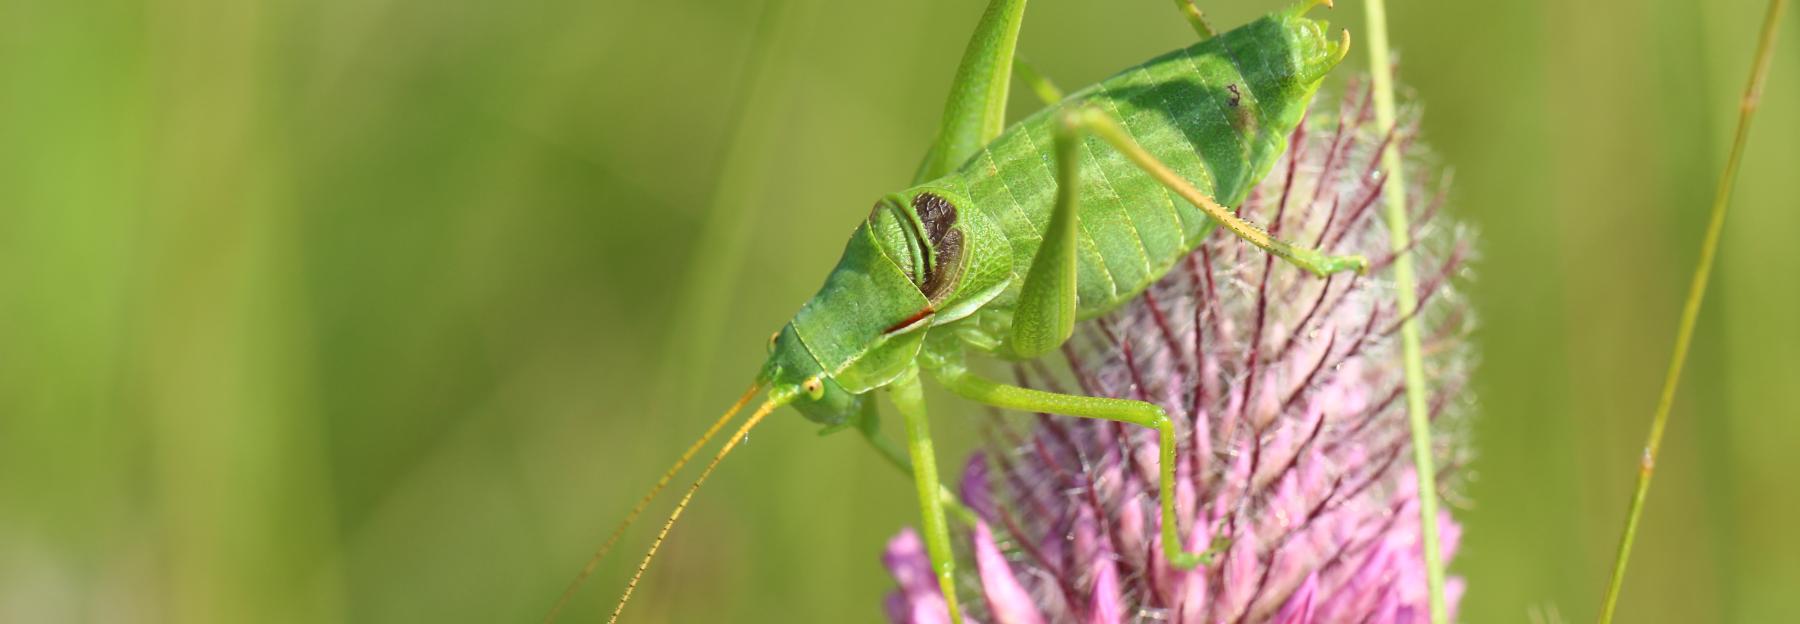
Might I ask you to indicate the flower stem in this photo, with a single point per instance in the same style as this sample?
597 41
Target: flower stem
1690 312
1381 70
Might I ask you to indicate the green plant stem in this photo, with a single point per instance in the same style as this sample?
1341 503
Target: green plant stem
1400 236
1690 312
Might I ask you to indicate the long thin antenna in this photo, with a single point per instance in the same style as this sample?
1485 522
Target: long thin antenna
731 443
611 540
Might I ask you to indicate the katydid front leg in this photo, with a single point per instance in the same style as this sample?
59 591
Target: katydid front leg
870 428
909 399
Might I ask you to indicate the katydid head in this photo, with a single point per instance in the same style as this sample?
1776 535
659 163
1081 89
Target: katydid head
1304 55
866 325
793 373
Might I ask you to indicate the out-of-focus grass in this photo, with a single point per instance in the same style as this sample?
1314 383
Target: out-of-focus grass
353 310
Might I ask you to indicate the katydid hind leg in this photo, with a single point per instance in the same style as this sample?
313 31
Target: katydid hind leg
909 399
976 109
1044 317
1108 129
1149 415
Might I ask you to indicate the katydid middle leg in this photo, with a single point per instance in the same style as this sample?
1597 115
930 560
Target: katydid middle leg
977 388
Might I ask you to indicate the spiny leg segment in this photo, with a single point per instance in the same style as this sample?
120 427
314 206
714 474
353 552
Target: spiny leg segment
1104 126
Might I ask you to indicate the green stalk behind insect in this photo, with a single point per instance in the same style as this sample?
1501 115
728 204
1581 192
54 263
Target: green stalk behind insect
1063 216
1406 302
1690 311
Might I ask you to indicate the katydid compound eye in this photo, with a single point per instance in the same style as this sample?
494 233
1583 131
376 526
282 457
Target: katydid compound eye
814 388
772 338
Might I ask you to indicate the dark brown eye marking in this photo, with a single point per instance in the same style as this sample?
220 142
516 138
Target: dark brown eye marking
949 257
1236 96
936 213
939 215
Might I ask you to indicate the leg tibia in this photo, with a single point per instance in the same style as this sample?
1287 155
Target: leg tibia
1311 260
909 399
1127 411
870 428
1044 317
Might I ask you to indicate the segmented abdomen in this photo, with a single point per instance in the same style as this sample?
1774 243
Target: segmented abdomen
1193 110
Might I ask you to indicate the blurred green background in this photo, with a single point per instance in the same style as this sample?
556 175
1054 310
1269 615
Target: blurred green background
387 310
